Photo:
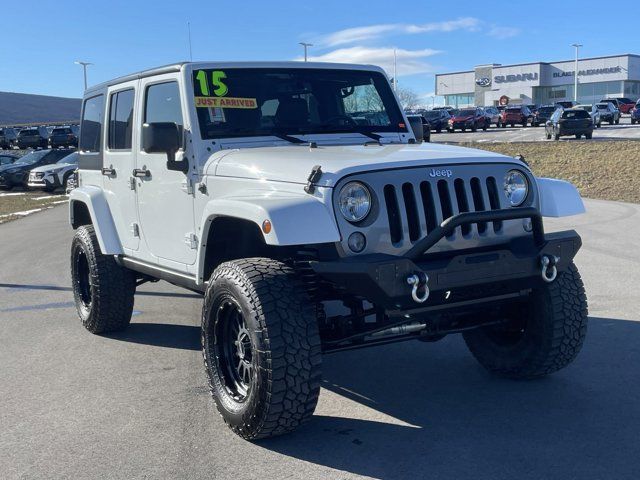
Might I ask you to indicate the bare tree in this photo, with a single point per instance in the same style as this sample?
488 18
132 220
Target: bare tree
408 98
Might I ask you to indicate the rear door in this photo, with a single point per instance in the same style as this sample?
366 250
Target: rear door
119 160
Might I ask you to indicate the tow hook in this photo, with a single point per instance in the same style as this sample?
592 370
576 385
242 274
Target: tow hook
419 281
549 270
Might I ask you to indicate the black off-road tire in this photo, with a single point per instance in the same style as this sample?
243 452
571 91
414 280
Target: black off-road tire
105 304
552 333
588 136
284 347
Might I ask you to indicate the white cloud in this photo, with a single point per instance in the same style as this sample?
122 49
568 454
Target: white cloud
503 32
360 34
409 62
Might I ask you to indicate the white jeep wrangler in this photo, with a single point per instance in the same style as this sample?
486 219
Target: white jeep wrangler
295 197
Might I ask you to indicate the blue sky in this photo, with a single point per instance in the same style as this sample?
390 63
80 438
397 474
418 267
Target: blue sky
119 37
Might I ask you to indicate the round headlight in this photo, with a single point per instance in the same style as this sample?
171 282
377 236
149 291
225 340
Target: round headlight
354 201
516 187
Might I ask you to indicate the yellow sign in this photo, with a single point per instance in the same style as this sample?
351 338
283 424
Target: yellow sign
226 102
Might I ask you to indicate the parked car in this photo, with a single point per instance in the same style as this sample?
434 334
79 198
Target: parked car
17 173
7 158
50 177
63 137
594 112
570 121
468 118
623 104
566 104
635 113
438 119
493 114
532 106
8 138
415 242
608 112
542 114
516 115
35 137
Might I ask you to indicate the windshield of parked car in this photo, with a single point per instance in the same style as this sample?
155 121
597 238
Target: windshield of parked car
29 133
465 112
262 102
513 110
603 106
69 159
546 110
61 131
32 157
572 114
433 114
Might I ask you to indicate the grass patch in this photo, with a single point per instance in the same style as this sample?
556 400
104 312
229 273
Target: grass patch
603 170
17 204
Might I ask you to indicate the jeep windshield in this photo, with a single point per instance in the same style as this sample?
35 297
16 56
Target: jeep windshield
292 101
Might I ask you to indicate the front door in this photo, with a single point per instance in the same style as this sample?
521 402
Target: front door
165 204
119 162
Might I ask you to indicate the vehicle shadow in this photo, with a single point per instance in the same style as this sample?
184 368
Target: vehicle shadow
429 411
184 337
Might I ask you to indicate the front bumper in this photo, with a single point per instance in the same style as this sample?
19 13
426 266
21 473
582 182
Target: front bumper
463 276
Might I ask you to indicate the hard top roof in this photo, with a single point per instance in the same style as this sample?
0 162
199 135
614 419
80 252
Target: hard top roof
176 67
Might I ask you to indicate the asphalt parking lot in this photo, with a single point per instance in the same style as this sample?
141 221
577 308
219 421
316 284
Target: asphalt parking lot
623 131
136 405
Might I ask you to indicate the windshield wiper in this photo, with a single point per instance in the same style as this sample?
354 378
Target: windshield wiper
288 138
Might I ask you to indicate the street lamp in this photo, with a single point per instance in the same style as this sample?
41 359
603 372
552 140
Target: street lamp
447 86
84 68
305 46
575 74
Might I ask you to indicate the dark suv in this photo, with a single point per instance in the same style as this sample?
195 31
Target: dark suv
8 138
36 137
572 121
520 115
542 114
63 137
635 113
438 119
468 118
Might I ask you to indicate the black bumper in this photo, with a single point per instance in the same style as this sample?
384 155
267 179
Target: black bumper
460 277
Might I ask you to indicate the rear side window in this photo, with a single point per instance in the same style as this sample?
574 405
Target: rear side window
121 120
162 104
91 127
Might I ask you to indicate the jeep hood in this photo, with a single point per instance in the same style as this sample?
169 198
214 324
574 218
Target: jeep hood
293 163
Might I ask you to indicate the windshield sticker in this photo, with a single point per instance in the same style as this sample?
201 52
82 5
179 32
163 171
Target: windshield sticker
226 102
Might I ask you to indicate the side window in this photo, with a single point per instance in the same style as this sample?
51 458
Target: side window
162 104
91 127
121 120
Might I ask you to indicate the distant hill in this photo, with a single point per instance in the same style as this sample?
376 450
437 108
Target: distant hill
17 108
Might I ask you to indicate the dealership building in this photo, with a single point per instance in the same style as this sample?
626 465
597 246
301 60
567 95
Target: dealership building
542 82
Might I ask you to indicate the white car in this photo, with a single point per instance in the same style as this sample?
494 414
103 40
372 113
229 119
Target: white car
594 112
283 190
56 175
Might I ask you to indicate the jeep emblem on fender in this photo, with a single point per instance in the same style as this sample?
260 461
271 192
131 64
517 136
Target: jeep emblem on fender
440 173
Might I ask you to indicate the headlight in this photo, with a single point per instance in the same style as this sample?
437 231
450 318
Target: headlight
516 187
354 201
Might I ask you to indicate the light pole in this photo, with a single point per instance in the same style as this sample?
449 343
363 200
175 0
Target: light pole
305 46
445 85
395 71
84 68
575 74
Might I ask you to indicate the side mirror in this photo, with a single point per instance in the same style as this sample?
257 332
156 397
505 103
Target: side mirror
415 123
164 137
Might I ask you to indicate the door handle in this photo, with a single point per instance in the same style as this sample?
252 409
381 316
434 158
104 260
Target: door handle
140 173
108 171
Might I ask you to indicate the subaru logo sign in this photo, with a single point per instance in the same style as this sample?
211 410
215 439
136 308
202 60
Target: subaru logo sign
483 82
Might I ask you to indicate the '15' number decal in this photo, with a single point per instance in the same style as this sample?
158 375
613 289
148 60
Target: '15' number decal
220 89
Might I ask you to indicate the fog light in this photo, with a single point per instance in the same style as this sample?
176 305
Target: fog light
357 241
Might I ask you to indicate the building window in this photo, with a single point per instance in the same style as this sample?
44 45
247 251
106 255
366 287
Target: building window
460 100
